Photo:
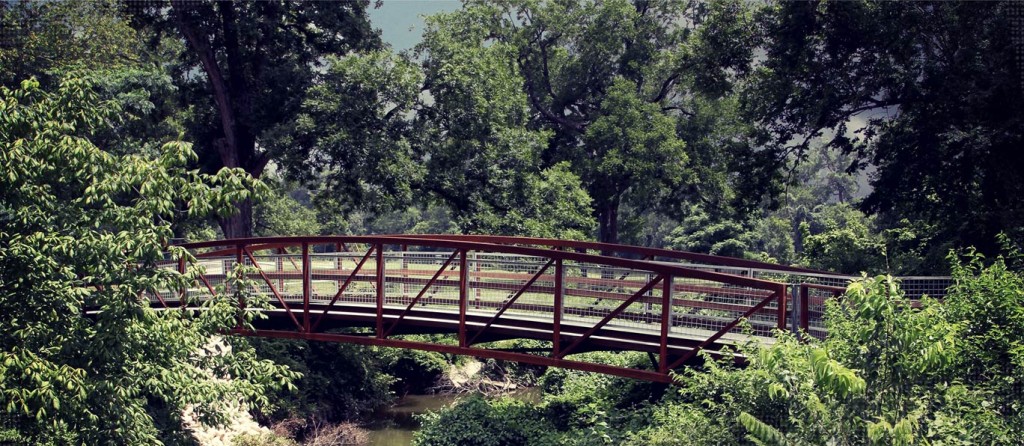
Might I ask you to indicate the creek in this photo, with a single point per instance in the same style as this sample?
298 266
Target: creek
396 425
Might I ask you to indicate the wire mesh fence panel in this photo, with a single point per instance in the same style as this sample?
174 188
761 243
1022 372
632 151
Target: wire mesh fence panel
517 285
915 287
329 272
593 291
431 279
701 308
275 273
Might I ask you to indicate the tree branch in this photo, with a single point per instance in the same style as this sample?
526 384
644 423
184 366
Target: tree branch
213 72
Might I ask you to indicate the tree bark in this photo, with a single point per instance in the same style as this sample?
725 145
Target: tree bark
239 224
608 220
232 97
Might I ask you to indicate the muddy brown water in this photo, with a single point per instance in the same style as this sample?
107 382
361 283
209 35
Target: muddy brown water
396 425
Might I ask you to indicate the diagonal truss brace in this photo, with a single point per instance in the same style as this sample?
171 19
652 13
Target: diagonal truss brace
511 301
614 313
724 330
421 293
343 287
272 288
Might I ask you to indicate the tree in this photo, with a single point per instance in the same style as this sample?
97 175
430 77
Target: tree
46 40
926 92
351 141
257 60
483 159
82 230
94 39
587 68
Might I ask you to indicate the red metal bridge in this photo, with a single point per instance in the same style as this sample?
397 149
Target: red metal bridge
573 296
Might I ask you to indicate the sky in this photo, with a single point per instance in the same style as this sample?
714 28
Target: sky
401 21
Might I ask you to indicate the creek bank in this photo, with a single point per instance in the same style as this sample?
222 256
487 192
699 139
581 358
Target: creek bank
396 425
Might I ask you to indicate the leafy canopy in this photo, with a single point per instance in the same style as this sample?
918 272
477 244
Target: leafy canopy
82 230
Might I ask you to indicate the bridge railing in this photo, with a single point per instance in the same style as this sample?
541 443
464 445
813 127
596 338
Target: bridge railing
806 314
484 291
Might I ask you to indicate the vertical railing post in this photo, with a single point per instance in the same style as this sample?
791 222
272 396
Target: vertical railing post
476 267
782 295
184 291
405 272
380 290
280 269
463 296
794 316
805 315
556 337
307 285
241 299
338 263
666 322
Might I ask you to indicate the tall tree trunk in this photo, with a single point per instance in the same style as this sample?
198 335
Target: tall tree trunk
231 95
239 224
608 220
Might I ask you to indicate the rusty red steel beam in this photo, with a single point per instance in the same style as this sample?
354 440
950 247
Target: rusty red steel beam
666 323
805 300
618 248
380 290
207 283
611 315
556 311
421 293
468 351
341 289
463 296
159 298
307 285
654 267
511 301
272 288
780 294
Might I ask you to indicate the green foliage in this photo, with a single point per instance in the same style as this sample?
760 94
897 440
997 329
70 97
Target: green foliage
339 382
285 211
698 233
989 300
351 137
843 240
49 39
483 159
925 95
607 86
261 440
81 230
480 422
414 371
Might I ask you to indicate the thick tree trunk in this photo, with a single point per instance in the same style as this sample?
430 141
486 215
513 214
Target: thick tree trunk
608 220
239 224
231 96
